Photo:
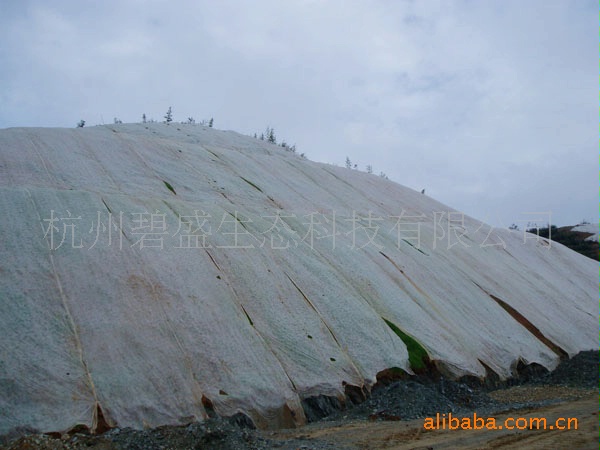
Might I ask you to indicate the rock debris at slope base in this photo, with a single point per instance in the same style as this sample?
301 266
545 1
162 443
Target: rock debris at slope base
401 400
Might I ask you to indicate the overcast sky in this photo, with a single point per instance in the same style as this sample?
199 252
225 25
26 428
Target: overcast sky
491 106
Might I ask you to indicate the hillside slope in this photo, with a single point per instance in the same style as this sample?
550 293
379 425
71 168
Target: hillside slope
588 228
150 274
582 238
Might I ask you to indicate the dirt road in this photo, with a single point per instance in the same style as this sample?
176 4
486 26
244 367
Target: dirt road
411 434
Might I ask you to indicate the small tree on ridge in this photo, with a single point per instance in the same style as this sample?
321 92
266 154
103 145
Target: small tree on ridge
169 116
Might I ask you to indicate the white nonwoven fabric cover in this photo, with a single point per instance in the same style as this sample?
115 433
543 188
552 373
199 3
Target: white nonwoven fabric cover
150 274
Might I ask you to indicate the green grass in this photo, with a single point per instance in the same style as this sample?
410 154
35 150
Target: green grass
169 187
252 184
417 355
416 248
248 317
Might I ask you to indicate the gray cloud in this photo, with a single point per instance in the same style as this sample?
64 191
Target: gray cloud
490 106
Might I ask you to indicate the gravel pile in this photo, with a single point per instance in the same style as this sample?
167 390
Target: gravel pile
579 371
425 396
213 434
412 399
405 399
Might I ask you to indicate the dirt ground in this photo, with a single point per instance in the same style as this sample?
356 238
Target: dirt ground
398 435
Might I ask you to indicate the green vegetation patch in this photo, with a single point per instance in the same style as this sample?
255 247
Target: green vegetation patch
169 187
575 240
252 184
247 316
416 248
417 355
